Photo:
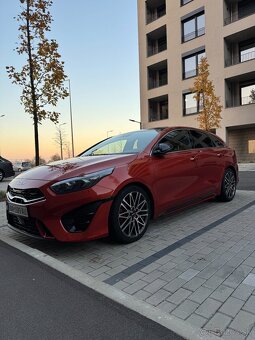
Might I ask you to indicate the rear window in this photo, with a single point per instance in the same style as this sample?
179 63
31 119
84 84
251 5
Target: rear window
218 143
201 140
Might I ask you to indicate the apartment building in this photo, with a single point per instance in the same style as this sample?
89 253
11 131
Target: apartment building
173 36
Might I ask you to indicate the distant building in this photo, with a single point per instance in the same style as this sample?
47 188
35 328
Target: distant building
173 35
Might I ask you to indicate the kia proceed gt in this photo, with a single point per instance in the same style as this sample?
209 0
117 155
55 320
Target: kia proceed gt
118 185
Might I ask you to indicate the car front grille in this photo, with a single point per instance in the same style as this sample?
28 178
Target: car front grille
24 196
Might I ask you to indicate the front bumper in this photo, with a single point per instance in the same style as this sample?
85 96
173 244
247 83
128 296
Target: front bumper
69 218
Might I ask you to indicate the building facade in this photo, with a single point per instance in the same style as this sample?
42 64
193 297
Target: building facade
173 36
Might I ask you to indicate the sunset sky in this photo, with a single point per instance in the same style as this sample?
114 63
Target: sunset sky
98 43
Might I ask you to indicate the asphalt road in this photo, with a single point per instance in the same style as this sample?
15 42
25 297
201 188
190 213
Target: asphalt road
246 180
40 303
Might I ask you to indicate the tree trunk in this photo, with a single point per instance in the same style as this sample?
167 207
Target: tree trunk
35 116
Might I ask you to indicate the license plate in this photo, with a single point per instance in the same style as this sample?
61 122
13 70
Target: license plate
18 210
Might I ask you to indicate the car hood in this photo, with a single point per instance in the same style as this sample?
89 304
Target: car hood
73 167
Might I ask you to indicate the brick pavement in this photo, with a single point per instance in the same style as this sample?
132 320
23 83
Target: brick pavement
198 265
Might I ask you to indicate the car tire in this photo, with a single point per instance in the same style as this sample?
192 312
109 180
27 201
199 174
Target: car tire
228 186
130 215
1 175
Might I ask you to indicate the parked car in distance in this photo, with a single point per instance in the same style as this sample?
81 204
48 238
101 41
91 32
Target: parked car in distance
6 169
116 186
19 166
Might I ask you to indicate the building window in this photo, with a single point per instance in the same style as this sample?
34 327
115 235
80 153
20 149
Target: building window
157 75
155 10
248 94
156 41
185 2
158 108
190 64
193 27
251 146
190 104
247 51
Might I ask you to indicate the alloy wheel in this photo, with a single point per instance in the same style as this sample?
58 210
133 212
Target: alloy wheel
133 214
230 184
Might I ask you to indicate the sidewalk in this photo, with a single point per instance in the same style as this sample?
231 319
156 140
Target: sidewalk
198 266
246 166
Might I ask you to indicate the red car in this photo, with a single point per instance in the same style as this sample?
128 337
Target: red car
116 186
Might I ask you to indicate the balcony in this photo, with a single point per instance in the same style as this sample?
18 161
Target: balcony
156 41
236 10
240 47
157 75
155 9
240 90
158 108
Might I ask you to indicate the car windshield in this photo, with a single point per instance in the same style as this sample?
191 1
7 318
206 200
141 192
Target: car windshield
132 142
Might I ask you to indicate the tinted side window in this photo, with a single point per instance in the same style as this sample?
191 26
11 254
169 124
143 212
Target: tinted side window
178 139
201 140
218 143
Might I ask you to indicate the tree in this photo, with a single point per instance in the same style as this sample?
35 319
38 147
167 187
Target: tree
252 96
55 158
60 139
42 77
204 92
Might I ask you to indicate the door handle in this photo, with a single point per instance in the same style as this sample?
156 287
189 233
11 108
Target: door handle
192 158
219 154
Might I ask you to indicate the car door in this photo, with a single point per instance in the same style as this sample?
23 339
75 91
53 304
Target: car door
208 162
175 174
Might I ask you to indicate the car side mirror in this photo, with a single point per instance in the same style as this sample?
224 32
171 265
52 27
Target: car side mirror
162 149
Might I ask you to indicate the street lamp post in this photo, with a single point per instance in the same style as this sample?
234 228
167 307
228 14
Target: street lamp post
71 114
136 121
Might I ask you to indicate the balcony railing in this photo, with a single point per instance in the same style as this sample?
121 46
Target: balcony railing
235 16
247 100
194 34
244 57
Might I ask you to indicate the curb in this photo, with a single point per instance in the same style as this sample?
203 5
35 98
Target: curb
170 322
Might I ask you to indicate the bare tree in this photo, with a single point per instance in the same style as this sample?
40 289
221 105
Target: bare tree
42 77
60 139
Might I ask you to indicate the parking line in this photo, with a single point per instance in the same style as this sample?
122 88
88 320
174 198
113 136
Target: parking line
163 252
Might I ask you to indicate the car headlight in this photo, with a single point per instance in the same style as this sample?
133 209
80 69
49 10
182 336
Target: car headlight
79 183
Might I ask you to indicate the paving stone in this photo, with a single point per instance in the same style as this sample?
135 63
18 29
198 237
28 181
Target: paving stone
243 292
213 282
225 271
142 295
134 277
232 334
251 336
184 265
179 296
153 276
200 294
188 274
158 297
222 293
167 267
171 275
243 322
194 283
174 285
235 278
218 323
150 268
166 306
232 306
250 280
250 261
133 288
155 285
250 305
197 320
208 308
185 309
